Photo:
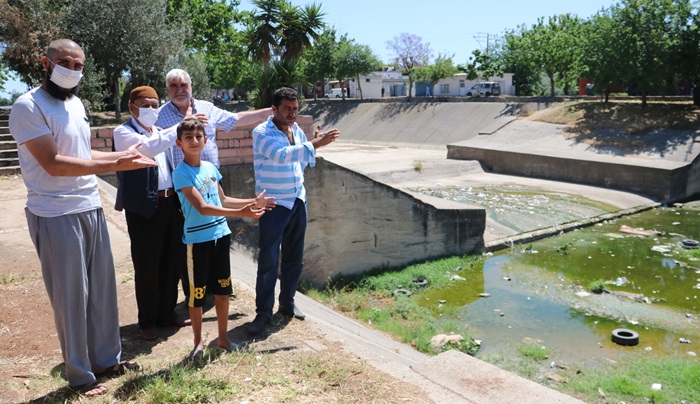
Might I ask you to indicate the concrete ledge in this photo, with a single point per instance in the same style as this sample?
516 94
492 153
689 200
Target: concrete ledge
662 180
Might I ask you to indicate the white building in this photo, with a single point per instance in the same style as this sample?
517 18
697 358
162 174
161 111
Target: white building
457 85
395 84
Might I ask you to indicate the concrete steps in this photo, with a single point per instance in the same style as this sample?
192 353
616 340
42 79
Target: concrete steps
9 160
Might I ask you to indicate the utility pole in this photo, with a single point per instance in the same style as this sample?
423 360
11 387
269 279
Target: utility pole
485 36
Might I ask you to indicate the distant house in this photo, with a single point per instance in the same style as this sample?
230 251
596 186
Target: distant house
395 84
457 85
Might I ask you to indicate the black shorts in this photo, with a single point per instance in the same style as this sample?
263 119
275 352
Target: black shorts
208 268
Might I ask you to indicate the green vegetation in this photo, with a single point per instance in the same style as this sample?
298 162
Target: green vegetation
597 286
536 352
12 279
179 384
388 301
631 380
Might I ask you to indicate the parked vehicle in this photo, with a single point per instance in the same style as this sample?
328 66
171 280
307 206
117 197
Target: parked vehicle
485 89
334 93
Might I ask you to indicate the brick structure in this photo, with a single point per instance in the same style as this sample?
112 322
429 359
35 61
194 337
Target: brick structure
235 147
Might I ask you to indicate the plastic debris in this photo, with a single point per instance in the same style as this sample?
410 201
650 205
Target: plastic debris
656 386
684 340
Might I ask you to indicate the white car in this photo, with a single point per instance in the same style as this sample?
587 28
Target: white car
334 93
484 89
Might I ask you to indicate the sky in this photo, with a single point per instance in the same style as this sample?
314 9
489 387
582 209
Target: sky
450 27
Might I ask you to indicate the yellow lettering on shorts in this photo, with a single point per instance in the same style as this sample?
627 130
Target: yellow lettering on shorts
225 282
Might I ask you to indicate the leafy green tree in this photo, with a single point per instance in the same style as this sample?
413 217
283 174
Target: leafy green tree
687 52
555 48
353 59
212 32
441 69
647 32
603 64
318 62
515 57
26 29
481 65
3 75
409 52
145 39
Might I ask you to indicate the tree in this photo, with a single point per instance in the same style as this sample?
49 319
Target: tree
3 75
555 48
353 59
410 52
26 29
603 64
516 58
279 29
318 62
145 43
647 32
212 32
481 65
441 69
687 51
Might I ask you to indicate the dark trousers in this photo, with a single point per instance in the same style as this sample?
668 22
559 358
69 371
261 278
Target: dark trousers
281 230
159 257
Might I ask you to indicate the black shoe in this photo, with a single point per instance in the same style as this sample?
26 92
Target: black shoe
291 312
256 326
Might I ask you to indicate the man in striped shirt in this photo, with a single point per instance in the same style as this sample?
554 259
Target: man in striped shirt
281 153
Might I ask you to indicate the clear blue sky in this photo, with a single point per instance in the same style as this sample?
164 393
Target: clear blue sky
451 27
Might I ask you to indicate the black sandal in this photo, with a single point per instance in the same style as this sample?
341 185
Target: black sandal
119 369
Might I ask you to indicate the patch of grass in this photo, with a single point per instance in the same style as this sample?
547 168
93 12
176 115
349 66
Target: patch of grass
537 353
597 286
370 299
178 384
631 379
12 278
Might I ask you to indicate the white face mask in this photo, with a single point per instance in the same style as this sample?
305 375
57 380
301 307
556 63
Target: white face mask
65 78
148 116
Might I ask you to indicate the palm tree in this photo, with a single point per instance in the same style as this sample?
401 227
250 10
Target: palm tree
301 27
282 30
263 31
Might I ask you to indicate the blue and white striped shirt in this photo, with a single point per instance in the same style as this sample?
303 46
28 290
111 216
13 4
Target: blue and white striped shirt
218 118
279 166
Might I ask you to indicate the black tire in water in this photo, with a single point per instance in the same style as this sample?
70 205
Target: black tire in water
626 337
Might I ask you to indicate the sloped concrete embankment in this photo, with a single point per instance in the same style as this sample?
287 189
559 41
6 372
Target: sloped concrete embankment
416 124
357 224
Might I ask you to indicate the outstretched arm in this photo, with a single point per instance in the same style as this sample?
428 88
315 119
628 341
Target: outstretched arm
205 209
45 151
249 118
260 202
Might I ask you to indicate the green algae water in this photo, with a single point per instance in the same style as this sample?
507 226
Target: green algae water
540 292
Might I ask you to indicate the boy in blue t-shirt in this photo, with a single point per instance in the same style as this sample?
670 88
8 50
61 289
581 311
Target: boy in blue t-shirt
206 232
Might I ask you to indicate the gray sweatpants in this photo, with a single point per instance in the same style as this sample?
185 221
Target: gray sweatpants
78 270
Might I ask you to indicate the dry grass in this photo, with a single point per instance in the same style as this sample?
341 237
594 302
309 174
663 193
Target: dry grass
629 117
